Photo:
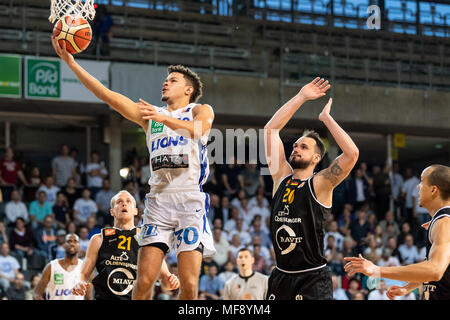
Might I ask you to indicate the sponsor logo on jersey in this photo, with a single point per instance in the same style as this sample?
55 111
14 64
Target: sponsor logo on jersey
63 292
120 281
58 278
162 143
122 257
110 232
291 239
427 288
149 230
156 127
170 161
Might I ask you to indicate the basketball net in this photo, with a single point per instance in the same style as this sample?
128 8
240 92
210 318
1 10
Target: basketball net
81 8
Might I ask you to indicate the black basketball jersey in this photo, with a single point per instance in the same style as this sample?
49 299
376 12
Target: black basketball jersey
297 226
437 290
116 264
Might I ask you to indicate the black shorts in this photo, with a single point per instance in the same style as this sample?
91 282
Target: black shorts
311 285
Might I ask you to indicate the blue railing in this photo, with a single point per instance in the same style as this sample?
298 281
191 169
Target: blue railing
401 15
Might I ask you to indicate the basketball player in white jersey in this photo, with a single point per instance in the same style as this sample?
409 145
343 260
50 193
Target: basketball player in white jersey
176 207
61 275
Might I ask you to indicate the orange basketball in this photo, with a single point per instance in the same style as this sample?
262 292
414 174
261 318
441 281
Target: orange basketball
75 31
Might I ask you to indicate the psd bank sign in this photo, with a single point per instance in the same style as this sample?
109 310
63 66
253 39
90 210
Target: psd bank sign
42 78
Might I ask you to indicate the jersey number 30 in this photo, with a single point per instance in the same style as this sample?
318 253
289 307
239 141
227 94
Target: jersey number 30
188 235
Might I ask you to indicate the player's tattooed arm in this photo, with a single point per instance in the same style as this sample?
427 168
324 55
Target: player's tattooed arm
334 173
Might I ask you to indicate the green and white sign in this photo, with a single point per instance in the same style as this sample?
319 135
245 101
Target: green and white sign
48 78
42 78
58 278
10 76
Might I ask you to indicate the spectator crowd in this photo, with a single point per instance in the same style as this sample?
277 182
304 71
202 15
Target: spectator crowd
375 213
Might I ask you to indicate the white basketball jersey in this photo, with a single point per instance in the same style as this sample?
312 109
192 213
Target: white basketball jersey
177 163
62 281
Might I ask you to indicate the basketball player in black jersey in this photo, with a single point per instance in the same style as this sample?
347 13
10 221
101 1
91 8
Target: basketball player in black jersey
114 253
302 200
434 272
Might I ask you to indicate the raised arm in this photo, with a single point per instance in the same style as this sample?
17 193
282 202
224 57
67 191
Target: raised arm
327 179
39 290
276 158
126 107
84 287
202 123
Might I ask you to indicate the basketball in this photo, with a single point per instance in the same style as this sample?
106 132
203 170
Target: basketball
75 31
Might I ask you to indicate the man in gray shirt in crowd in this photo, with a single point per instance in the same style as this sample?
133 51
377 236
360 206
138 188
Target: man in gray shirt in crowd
63 167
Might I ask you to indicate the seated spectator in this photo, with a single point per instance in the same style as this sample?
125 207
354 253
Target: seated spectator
359 228
235 246
259 208
57 250
348 247
333 230
359 296
3 237
261 265
15 209
211 285
9 267
409 251
229 175
39 209
392 245
338 293
267 253
387 260
214 209
92 227
379 236
250 178
242 231
236 201
72 192
50 190
84 241
61 210
212 185
21 238
225 209
372 252
34 181
72 227
257 230
46 236
103 201
336 263
379 293
245 213
17 290
29 294
228 271
259 199
230 225
405 230
346 219
222 248
423 254
389 220
354 287
206 263
372 221
96 172
84 208
359 189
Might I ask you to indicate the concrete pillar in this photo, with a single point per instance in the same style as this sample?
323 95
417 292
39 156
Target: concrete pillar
7 134
115 151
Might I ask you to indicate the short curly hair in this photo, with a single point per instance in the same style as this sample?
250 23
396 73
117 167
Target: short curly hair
191 77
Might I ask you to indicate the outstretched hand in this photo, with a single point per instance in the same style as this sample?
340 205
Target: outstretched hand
149 112
315 89
170 282
396 291
61 52
361 265
326 110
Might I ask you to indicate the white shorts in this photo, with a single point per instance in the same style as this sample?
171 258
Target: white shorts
178 220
